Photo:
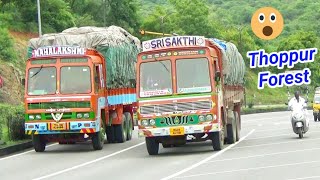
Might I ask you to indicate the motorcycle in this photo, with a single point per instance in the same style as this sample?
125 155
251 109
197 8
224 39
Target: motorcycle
299 121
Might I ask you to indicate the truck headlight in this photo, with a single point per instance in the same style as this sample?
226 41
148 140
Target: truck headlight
38 117
86 115
145 122
201 118
152 122
31 117
79 115
209 117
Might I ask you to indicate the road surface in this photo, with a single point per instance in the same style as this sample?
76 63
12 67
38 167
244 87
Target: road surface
267 150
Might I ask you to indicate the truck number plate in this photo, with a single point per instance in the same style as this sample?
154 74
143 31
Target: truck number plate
58 126
176 131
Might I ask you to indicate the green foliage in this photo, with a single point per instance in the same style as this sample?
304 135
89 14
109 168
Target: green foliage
11 122
7 52
123 13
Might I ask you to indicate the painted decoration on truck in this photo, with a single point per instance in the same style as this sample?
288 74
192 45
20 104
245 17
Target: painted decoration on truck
58 51
174 41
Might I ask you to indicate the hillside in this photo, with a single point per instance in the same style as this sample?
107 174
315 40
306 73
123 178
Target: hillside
13 72
228 20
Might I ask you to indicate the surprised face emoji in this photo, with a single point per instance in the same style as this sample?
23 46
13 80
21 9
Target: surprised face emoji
267 23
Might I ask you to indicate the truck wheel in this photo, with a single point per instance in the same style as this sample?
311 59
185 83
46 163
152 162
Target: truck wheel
217 140
121 131
152 145
110 134
232 132
98 139
236 115
39 143
130 125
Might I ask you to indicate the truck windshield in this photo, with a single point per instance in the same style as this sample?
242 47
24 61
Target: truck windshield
155 78
193 75
75 80
42 80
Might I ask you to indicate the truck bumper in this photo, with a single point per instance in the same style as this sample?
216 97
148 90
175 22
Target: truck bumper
165 131
85 127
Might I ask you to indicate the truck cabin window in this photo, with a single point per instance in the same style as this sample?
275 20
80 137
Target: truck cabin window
42 80
75 80
193 75
155 78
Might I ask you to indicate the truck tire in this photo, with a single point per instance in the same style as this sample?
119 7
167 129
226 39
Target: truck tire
121 130
129 125
232 131
236 115
152 145
98 139
217 140
39 143
110 134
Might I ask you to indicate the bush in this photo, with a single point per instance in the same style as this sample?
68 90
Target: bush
250 105
11 122
7 52
16 127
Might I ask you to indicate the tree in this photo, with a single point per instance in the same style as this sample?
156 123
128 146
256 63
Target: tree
123 13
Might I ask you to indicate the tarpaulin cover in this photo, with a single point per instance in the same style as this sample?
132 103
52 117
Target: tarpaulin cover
232 62
119 48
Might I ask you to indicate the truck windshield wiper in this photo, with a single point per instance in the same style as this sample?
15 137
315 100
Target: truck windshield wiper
37 71
162 65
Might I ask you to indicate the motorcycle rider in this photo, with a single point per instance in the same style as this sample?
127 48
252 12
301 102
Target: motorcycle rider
300 103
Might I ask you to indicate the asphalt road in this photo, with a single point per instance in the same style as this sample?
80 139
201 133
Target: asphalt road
267 150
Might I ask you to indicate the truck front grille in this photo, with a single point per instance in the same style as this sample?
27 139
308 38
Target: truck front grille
186 106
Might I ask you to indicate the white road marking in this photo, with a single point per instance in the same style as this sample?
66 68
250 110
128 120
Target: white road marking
207 159
24 153
277 135
264 155
268 144
274 129
249 169
261 119
310 177
89 162
283 122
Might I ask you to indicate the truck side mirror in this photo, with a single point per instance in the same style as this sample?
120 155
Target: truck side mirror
23 81
217 76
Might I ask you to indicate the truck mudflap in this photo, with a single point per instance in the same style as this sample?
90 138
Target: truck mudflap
178 130
85 127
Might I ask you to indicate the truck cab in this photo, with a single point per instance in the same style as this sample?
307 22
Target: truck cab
181 94
65 96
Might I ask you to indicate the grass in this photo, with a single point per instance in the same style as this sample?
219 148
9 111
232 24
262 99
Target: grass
263 96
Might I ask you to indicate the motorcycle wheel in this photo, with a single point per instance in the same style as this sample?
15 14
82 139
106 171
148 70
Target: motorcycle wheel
300 133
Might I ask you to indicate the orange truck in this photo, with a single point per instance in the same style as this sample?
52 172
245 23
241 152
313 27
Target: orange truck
80 86
189 89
